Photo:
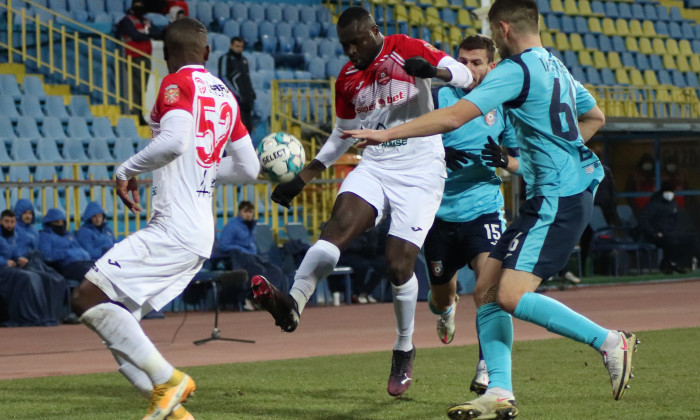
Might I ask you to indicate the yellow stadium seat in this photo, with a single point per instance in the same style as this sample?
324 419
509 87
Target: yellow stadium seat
456 35
636 78
684 48
584 7
432 17
631 44
472 4
556 6
648 29
650 78
584 58
621 77
547 40
415 15
614 60
609 27
594 25
645 46
441 4
621 27
464 18
668 62
636 28
599 60
543 26
570 8
400 13
561 42
426 3
695 63
438 35
658 46
682 63
576 42
672 47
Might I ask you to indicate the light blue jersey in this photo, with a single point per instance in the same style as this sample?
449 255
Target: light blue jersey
474 189
543 102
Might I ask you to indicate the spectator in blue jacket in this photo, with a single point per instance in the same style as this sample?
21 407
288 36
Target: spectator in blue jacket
237 243
95 235
60 248
22 298
27 234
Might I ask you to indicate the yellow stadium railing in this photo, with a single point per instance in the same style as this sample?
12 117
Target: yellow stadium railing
635 102
68 39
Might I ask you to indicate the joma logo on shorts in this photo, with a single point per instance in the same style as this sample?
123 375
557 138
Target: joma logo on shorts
395 143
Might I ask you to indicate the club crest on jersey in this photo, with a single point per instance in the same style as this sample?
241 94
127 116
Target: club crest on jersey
201 86
490 117
437 268
384 77
171 94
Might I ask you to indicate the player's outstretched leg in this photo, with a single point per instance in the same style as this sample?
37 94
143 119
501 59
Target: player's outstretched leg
279 304
166 397
401 374
445 320
619 363
488 406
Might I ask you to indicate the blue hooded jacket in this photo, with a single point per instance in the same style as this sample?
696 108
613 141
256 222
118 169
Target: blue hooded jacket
63 249
237 235
8 249
26 234
95 239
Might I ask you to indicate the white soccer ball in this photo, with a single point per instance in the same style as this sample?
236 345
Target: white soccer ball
281 156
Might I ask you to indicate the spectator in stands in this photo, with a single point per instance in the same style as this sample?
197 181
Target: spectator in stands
60 248
137 31
670 172
175 13
237 244
23 299
56 287
95 235
233 70
643 179
660 225
365 255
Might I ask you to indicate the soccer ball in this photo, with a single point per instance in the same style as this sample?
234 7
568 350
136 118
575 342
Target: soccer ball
281 156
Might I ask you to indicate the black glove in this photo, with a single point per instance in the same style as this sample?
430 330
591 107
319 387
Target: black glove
419 67
493 155
285 192
455 158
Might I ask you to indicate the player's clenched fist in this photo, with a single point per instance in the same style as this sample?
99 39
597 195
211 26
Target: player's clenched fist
286 191
419 67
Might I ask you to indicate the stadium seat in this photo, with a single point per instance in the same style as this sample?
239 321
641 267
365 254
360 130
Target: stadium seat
662 13
608 27
684 48
687 30
73 150
239 11
648 29
599 60
645 46
674 30
678 79
551 20
624 11
27 128
594 25
668 62
592 76
249 32
635 29
664 77
21 150
8 109
263 104
650 78
607 77
568 24
675 14
290 13
29 106
611 10
661 29
695 63
672 47
270 44
79 107
691 80
10 87
621 27
636 78
56 108
19 173
605 43
585 59
658 46
650 12
614 60
642 62
334 66
597 8
561 42
52 128
204 13
98 173
77 127
256 81
221 10
32 85
47 150
231 28
126 128
638 11
95 7
655 62
101 127
317 67
628 59
123 149
6 130
547 40
326 48
69 171
265 61
45 173
695 45
621 77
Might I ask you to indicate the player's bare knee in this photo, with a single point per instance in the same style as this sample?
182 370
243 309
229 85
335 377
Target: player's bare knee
399 273
507 301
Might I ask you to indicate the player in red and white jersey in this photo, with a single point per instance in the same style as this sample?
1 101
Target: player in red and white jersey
387 82
194 119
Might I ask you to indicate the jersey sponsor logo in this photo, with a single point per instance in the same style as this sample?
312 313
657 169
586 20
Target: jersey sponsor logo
114 263
382 102
490 117
201 85
384 77
437 268
416 229
171 94
395 143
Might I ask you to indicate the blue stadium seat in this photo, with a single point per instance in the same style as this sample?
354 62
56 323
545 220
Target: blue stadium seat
123 149
691 80
323 14
231 28
641 62
212 64
77 127
317 68
98 150
283 29
265 61
268 28
650 12
9 86
56 108
592 76
674 30
239 11
662 13
32 85
52 128
326 48
309 47
221 10
30 106
618 44
638 11
58 4
273 13
221 42
552 22
605 44
678 79
127 128
302 75
579 74
655 62
27 128
290 13
256 12
627 59
95 7
611 10
301 31
204 13
101 127
581 24
570 59
256 81
6 131
69 172
661 28
334 66
19 173
252 60
79 107
45 173
73 150
47 150
263 104
687 30
448 16
542 6
269 44
21 150
307 14
249 32
675 14
597 7
695 45
158 19
8 108
283 74
625 11
267 76
607 77
664 77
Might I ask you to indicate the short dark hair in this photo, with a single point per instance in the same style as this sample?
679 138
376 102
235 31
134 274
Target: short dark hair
245 205
479 42
183 34
352 14
521 14
237 39
8 213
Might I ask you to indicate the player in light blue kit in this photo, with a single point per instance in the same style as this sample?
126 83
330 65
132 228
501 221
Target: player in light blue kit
469 220
553 116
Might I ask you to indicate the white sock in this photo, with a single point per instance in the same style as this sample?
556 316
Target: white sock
405 297
481 366
136 376
500 392
123 335
611 342
318 263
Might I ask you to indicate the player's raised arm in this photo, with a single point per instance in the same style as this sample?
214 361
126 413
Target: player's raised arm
241 163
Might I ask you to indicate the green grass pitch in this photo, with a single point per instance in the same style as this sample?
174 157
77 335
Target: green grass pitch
554 379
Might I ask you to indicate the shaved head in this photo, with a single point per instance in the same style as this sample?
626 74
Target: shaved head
185 44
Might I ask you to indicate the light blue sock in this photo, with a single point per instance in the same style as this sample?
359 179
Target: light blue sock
496 340
560 319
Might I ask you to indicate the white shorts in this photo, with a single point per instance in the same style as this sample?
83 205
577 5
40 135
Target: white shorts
411 198
145 271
